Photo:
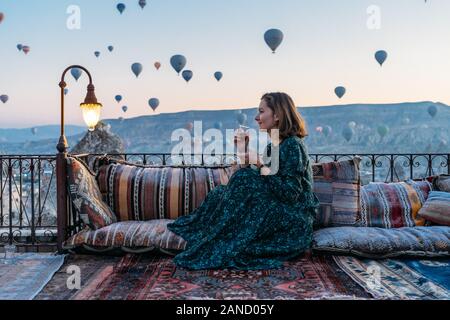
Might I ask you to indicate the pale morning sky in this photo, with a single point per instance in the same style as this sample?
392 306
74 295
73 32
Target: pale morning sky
326 43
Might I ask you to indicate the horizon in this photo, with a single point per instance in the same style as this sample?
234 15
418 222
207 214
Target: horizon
325 45
212 110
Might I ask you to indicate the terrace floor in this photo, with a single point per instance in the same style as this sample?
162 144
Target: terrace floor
155 277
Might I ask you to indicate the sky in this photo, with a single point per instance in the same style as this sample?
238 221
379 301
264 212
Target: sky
327 43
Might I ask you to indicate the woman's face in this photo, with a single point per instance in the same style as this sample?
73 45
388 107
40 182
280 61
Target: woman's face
266 118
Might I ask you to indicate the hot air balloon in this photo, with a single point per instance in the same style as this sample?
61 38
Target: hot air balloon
178 62
273 38
218 125
2 16
347 133
381 56
432 110
121 7
382 130
124 108
26 49
19 47
142 3
157 65
319 129
241 118
189 126
110 48
153 103
66 91
218 75
4 98
187 75
340 91
118 98
326 131
76 73
136 68
97 53
33 131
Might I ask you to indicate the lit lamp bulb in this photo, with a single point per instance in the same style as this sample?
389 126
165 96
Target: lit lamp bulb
91 114
91 108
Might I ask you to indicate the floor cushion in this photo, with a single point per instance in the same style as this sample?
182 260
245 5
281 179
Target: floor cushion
437 208
129 236
86 196
372 242
141 193
442 183
393 205
337 185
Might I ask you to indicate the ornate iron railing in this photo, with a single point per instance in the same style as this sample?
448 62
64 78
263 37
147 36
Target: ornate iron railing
28 185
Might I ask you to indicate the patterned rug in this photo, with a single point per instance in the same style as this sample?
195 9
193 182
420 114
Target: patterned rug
24 275
140 277
400 279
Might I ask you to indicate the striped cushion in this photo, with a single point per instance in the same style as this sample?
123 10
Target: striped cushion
437 208
393 205
161 192
337 185
129 235
86 197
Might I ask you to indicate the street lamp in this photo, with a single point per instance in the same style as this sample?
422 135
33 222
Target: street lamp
91 114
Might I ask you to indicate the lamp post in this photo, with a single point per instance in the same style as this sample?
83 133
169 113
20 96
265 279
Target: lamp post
91 113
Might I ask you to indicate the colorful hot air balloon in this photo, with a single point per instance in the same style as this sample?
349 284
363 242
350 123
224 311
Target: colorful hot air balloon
136 68
273 38
339 91
121 7
97 53
187 75
124 108
2 16
189 126
142 3
178 62
19 47
218 75
381 56
76 73
4 98
118 98
26 49
110 48
66 91
347 133
157 65
153 103
432 110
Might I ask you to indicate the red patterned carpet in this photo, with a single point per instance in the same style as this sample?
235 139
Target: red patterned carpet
139 277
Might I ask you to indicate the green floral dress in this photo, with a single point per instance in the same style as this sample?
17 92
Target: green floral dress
255 221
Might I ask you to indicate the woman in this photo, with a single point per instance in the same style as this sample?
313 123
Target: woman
259 219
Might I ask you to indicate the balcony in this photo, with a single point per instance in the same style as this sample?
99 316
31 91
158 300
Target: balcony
28 186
